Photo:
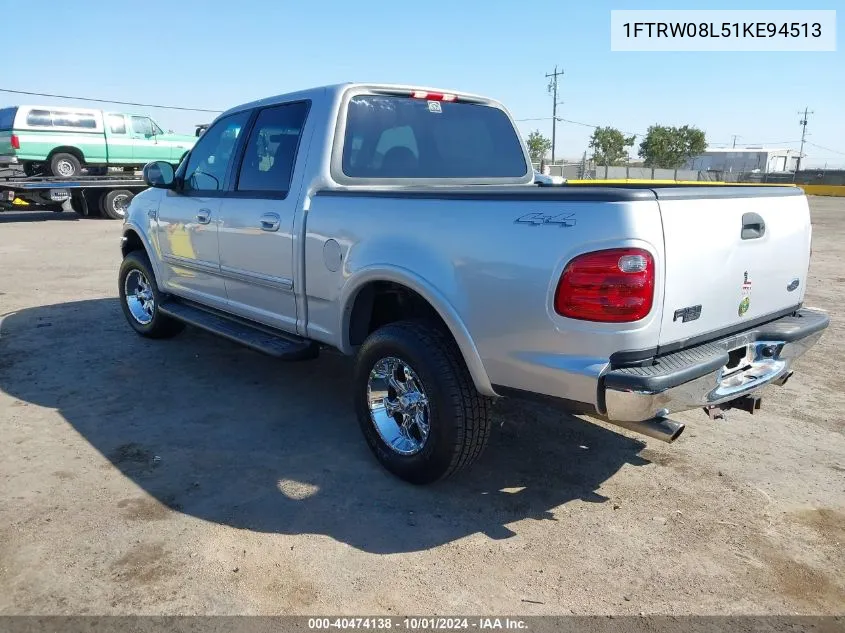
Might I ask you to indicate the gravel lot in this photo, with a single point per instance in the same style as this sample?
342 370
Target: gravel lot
194 476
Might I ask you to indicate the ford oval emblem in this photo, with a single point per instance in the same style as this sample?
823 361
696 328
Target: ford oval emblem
793 285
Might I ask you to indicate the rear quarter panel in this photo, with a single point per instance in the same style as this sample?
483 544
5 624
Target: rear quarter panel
493 276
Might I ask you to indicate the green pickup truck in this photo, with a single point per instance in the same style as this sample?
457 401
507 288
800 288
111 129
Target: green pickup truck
60 141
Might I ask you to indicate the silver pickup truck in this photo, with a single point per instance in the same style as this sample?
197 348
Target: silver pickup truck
401 225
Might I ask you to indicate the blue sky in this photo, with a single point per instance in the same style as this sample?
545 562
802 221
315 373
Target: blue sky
214 54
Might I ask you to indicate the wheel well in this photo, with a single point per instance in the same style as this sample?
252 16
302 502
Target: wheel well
131 242
75 151
383 302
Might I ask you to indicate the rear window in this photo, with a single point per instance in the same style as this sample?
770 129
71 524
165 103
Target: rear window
7 118
401 137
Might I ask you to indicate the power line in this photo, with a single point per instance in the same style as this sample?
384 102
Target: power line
548 118
129 103
827 149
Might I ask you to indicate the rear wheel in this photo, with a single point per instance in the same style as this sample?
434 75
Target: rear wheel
140 298
416 403
113 204
65 165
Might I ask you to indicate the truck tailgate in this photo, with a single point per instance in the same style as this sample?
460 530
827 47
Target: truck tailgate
6 143
732 256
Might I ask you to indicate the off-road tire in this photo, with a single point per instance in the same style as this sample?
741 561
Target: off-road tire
459 416
161 326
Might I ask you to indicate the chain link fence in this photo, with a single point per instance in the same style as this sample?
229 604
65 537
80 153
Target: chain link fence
587 170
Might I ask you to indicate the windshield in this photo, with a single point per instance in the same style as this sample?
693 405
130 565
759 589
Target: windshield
402 137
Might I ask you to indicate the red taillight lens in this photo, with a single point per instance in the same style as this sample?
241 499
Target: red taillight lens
433 96
612 286
16 142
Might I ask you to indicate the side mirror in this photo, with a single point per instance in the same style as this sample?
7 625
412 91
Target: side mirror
159 174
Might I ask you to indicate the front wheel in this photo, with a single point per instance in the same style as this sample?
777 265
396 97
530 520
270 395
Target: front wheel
416 403
140 298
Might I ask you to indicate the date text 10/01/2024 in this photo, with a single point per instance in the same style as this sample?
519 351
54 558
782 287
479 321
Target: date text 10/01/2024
726 29
412 623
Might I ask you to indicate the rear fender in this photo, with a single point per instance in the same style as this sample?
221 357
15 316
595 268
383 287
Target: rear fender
435 299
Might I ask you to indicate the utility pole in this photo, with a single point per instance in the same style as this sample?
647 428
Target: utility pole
803 123
555 104
734 137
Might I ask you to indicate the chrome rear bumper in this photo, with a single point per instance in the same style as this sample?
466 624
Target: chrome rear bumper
711 374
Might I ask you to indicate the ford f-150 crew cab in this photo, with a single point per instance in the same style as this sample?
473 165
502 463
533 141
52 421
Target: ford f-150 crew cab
400 224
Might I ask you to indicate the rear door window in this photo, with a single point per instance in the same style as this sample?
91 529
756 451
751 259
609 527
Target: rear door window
401 137
270 153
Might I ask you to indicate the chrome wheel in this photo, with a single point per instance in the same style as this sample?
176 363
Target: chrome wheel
65 168
119 204
139 296
399 407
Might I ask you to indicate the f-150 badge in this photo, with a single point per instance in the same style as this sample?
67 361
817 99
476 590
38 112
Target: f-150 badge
746 295
537 219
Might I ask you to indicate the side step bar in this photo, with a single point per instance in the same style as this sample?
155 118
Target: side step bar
258 337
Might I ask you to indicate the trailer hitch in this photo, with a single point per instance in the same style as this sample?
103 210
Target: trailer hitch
748 403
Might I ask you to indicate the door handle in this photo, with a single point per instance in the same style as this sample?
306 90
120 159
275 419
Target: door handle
270 222
204 216
753 226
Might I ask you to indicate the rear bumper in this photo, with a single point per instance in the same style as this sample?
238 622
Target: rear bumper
699 376
7 159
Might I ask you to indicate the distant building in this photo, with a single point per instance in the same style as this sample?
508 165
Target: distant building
745 159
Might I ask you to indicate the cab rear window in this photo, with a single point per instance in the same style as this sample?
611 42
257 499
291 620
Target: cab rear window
402 137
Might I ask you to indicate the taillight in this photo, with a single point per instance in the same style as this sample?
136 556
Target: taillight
612 286
16 142
433 96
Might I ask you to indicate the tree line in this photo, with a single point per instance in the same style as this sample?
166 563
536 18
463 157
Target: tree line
662 146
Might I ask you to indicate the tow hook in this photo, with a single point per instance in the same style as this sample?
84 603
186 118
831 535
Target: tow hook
745 403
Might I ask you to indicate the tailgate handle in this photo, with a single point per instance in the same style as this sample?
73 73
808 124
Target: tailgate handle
753 226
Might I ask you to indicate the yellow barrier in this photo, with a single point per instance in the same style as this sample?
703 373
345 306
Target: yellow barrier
824 190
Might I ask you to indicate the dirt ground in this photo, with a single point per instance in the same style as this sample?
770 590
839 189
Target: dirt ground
192 476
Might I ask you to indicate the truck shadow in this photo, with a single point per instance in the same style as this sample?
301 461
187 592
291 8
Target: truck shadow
37 215
224 434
